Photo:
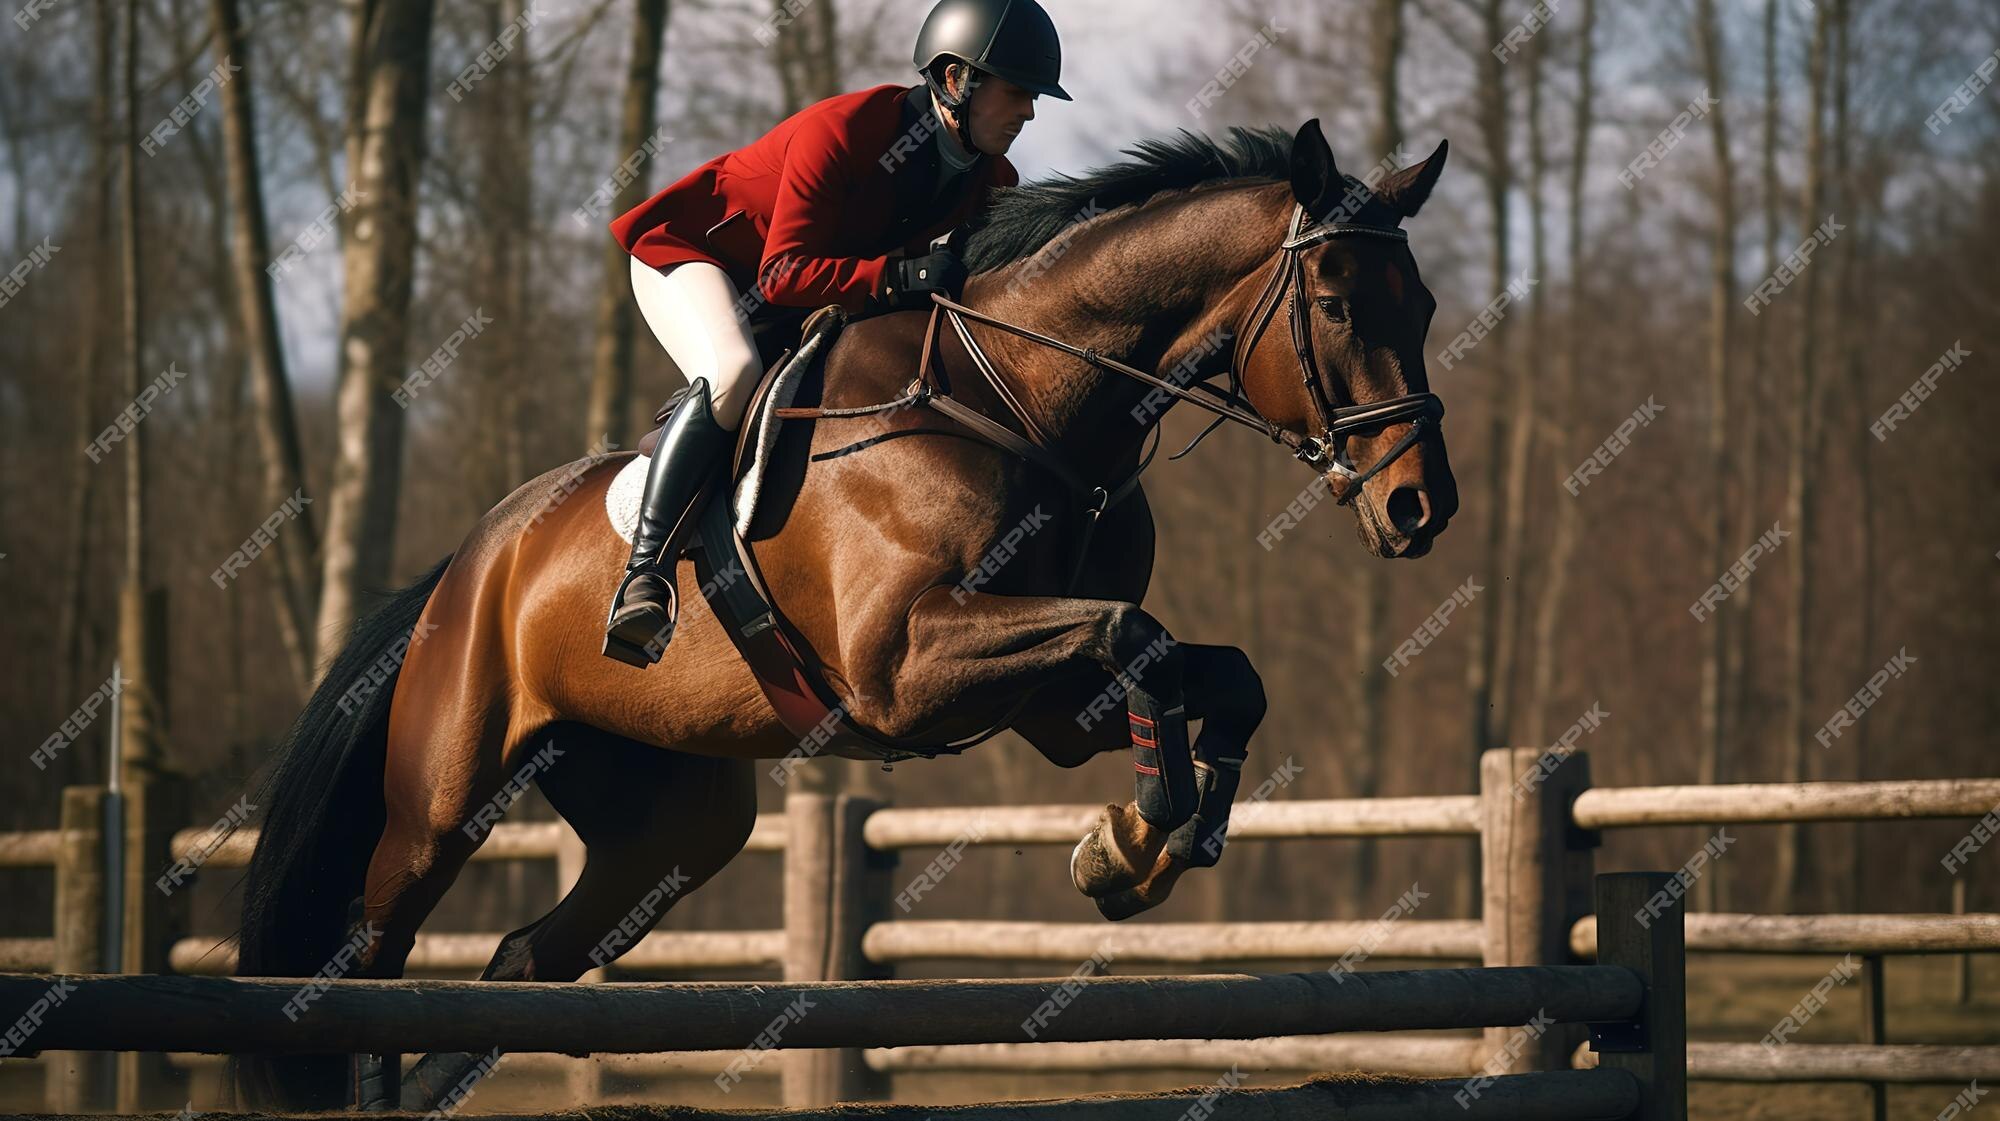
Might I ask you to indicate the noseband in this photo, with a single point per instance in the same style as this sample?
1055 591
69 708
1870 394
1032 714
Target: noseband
1325 453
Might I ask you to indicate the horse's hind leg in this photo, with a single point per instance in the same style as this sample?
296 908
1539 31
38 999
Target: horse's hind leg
442 774
655 824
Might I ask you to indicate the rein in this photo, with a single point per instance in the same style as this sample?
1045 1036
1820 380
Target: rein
1324 453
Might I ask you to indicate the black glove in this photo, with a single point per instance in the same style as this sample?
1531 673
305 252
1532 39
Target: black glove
909 281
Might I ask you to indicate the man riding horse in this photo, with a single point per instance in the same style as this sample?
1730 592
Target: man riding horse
1251 258
836 205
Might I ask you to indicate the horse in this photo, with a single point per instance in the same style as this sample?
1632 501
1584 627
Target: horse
487 672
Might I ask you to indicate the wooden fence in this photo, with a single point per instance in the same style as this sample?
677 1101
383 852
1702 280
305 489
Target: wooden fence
1633 999
1537 818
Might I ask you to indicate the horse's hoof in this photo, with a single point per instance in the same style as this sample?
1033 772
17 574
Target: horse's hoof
1075 858
1124 904
1098 869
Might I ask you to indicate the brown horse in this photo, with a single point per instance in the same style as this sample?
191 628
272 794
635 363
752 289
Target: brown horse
385 776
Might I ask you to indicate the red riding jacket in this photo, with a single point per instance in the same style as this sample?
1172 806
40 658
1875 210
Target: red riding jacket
814 206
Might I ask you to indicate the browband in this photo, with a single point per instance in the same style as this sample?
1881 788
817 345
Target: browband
1298 236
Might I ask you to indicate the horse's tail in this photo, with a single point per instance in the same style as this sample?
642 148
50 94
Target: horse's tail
323 813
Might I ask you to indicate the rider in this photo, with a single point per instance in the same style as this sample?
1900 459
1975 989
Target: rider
836 205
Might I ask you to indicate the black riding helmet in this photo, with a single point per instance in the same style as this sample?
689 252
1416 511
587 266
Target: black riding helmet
1014 39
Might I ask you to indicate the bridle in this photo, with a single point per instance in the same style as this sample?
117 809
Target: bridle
1325 452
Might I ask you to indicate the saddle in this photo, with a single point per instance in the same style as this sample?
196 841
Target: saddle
749 502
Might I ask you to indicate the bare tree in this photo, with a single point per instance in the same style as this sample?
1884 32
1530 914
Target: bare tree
74 607
610 417
806 52
503 196
1561 409
385 147
257 314
1789 873
141 603
1846 346
1721 306
1749 457
1509 595
1484 669
1369 583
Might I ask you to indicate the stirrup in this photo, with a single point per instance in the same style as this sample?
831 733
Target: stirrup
638 640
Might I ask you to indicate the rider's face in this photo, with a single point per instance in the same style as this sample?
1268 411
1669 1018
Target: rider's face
1000 109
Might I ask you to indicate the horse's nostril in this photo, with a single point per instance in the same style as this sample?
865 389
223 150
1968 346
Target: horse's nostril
1408 509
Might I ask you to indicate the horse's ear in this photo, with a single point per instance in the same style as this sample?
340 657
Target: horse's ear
1405 191
1315 180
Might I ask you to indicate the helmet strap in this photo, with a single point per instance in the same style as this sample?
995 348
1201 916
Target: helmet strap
959 105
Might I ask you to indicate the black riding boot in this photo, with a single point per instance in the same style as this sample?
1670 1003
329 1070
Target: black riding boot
643 611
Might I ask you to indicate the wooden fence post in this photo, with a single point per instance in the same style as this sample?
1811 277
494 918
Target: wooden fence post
1961 988
81 1081
155 917
1875 1024
1655 1050
1535 877
586 1075
834 889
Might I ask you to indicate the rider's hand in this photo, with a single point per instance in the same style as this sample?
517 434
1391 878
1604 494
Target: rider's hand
910 281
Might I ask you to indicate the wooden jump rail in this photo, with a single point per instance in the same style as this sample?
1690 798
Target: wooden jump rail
237 1015
1634 999
1536 840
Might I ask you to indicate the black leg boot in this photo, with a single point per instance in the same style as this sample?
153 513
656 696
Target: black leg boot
642 613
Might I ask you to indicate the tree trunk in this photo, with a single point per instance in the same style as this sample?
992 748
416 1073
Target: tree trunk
1386 43
1510 595
806 52
1721 304
274 418
1369 584
1481 679
1847 198
503 194
1561 410
74 607
609 424
385 149
1790 874
1749 452
141 604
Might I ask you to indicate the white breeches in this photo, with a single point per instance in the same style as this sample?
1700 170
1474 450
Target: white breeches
693 310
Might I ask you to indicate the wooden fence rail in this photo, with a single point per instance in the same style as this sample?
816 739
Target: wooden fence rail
237 1015
1635 994
1536 823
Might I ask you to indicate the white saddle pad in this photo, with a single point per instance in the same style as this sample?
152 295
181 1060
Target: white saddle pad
621 499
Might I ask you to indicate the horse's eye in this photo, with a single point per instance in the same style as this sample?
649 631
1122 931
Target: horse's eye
1333 307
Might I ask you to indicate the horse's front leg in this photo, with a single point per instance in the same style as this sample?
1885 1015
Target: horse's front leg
1126 863
1125 674
1227 696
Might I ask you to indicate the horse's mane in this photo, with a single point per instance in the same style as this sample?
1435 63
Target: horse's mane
1020 220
